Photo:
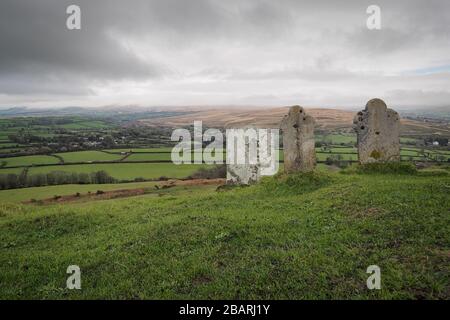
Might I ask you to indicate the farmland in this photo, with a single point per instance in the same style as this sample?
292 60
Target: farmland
29 161
32 146
131 164
88 156
126 171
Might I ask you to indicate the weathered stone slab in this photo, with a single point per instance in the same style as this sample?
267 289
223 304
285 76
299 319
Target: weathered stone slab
298 141
251 154
242 156
378 133
242 174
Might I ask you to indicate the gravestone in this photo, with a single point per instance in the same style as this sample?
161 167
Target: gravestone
242 164
251 154
242 174
298 141
378 133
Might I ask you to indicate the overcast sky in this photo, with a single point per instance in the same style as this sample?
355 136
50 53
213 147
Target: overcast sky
224 52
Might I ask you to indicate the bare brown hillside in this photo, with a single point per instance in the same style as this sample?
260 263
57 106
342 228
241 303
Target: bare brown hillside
233 117
240 117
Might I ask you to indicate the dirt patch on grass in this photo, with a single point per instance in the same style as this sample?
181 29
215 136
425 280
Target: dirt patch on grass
124 193
197 182
368 213
201 280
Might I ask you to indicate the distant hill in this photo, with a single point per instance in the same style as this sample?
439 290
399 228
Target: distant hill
241 117
433 121
330 119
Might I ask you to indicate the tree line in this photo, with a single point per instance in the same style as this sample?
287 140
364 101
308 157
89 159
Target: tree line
24 180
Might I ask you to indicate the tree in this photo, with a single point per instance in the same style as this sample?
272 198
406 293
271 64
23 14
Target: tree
12 181
83 178
108 141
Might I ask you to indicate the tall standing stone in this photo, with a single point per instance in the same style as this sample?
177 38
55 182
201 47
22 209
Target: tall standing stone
298 141
378 133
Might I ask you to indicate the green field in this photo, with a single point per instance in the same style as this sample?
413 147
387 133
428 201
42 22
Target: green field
39 193
29 160
163 154
149 157
341 149
11 170
7 151
137 150
154 157
324 156
290 237
9 144
86 156
85 125
126 171
336 138
407 140
409 152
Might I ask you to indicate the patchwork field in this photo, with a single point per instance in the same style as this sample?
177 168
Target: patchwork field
130 171
85 125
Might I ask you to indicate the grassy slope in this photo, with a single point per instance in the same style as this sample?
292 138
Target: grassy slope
301 237
39 193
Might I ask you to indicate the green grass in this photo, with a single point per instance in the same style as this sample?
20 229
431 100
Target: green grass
29 160
290 237
408 140
142 150
149 157
409 152
337 138
11 150
386 168
342 149
85 156
10 170
324 156
126 171
137 150
83 125
39 193
154 157
9 144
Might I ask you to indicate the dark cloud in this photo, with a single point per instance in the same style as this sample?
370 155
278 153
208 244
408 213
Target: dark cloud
35 41
215 49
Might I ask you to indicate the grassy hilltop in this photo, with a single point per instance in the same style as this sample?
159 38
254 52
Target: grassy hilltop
290 237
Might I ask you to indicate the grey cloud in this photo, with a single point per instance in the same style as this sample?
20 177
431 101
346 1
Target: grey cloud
420 98
220 44
35 41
